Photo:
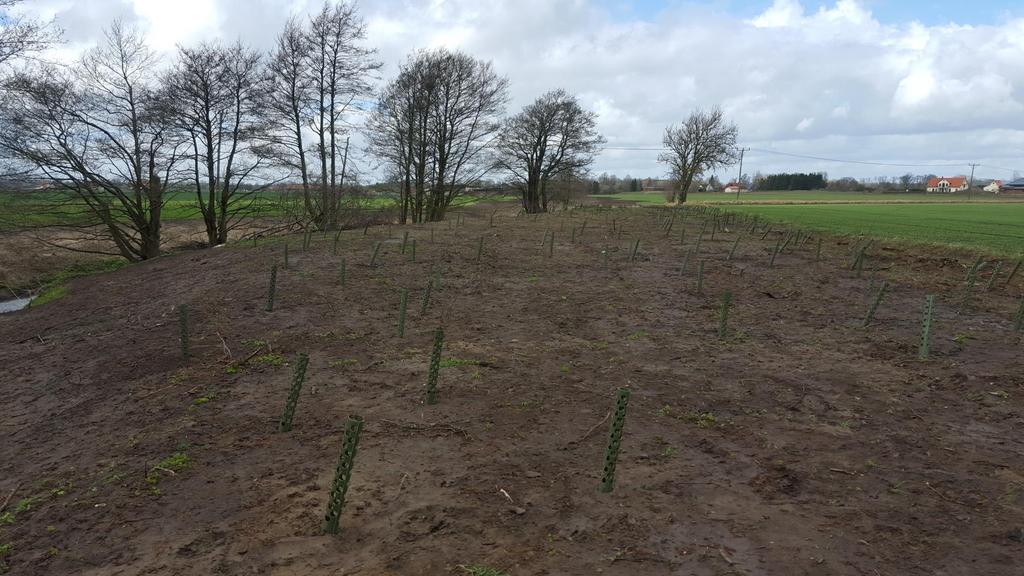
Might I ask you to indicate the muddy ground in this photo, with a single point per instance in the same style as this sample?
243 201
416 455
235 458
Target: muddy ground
800 444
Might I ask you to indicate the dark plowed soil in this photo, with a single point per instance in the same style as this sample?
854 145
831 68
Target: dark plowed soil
800 444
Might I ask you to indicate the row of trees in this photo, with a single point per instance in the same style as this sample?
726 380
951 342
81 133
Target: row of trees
794 181
115 135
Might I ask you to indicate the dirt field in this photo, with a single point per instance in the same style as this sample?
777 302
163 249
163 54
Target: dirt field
803 444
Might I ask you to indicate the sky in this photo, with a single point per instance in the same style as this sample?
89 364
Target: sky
861 88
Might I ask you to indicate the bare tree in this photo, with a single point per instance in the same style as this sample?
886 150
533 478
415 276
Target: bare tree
20 36
432 125
906 181
215 92
705 141
550 138
341 72
100 138
288 100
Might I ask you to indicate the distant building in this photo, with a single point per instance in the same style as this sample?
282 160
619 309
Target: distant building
954 184
652 185
994 187
734 187
1015 187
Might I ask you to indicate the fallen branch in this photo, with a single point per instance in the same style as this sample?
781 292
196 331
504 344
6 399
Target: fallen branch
591 431
9 496
426 427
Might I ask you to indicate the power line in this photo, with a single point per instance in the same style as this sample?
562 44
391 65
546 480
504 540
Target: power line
824 158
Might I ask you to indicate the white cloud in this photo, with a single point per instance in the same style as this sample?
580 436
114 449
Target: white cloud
829 80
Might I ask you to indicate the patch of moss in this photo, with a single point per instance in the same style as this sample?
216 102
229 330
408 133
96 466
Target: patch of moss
50 294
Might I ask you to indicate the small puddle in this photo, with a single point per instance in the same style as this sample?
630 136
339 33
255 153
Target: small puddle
15 305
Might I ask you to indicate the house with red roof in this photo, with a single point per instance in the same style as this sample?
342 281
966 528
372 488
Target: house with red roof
954 184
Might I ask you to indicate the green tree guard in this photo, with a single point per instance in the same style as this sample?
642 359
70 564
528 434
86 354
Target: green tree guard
636 248
686 262
405 240
573 241
480 249
682 235
817 253
435 366
337 238
426 296
972 277
611 454
272 288
1018 321
343 271
785 244
1016 268
732 251
700 277
293 393
775 253
376 251
342 474
183 329
926 327
551 245
413 249
403 304
285 255
700 237
723 316
995 274
874 303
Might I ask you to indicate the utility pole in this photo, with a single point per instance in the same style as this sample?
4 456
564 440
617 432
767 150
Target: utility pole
970 185
739 179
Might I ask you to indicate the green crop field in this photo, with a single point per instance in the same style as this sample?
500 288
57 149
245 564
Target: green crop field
984 222
26 209
992 227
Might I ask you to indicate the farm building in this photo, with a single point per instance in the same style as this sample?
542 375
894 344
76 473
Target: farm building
954 184
734 187
994 186
652 185
1015 187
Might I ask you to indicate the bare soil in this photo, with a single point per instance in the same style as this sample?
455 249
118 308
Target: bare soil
800 444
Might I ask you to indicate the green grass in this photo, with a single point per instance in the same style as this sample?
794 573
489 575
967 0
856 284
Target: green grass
27 209
991 227
54 287
481 571
450 362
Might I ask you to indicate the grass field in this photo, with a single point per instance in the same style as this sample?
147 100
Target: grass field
997 228
987 223
25 209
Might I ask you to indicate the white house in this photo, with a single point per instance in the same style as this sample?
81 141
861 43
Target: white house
734 187
994 186
954 184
